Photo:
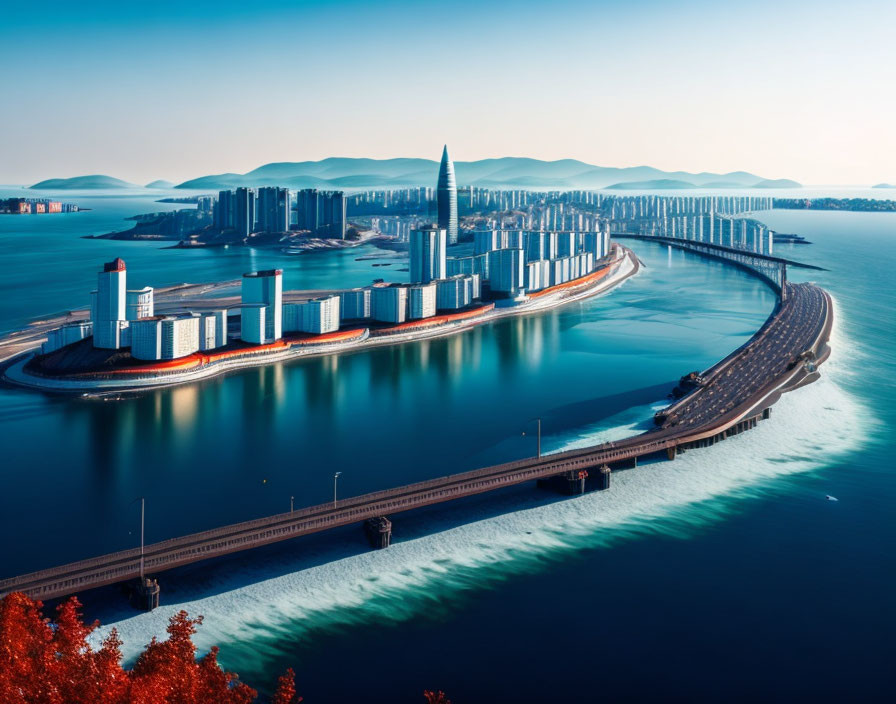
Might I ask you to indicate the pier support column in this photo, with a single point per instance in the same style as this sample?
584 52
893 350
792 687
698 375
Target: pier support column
603 478
766 414
379 532
671 452
575 481
146 594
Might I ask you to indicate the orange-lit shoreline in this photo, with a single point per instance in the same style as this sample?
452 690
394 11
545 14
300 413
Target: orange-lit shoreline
205 365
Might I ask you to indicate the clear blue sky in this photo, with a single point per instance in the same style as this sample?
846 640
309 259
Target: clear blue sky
141 91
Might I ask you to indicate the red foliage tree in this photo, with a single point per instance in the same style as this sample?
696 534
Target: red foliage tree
286 689
436 697
51 663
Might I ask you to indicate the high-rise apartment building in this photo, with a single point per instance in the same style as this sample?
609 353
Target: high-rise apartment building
243 209
272 209
389 304
422 301
109 306
262 289
322 213
428 250
506 268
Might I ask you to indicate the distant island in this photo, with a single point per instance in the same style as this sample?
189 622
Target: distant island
777 183
884 185
675 184
850 204
92 182
337 173
181 199
660 183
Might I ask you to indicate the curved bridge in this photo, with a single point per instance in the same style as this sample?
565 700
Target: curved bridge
773 270
729 397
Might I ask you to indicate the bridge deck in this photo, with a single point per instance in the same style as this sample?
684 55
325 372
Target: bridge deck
721 249
744 382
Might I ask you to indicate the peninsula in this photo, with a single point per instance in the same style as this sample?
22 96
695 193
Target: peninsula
87 355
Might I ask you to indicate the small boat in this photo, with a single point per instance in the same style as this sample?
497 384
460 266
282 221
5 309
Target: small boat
831 498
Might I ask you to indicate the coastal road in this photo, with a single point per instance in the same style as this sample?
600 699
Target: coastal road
782 355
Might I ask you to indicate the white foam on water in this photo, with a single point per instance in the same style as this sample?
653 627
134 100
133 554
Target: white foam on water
809 428
624 424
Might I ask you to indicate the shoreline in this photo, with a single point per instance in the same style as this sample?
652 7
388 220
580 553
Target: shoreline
625 265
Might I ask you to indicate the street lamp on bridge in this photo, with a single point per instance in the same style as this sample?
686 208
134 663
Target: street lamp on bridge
142 501
538 425
335 478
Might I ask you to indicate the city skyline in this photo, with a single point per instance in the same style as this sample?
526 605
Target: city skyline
789 90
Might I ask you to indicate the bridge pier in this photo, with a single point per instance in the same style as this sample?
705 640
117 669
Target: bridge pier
603 478
575 481
572 483
145 595
379 532
671 452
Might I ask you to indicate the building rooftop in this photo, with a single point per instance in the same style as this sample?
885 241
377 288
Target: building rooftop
266 272
116 264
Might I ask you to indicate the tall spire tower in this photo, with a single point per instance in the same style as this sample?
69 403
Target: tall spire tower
447 197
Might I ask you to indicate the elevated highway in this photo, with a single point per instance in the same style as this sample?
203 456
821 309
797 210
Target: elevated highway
729 397
773 270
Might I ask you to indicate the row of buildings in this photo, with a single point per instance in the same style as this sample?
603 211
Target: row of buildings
395 226
35 206
122 318
737 233
422 201
509 262
644 207
268 209
516 260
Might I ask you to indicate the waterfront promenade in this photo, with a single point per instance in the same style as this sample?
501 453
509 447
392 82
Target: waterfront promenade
621 265
731 396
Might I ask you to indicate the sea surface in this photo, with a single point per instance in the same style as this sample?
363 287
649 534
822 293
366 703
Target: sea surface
724 575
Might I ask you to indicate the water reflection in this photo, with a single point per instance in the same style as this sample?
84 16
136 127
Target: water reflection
238 446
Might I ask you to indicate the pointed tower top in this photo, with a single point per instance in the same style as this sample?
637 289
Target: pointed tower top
446 171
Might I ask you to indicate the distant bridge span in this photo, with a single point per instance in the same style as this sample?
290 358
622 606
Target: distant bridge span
773 270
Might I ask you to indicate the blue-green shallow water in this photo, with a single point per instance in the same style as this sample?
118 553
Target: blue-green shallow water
671 585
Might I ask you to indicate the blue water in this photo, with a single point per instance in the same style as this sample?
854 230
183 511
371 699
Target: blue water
725 570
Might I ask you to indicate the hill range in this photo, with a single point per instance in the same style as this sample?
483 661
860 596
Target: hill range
338 173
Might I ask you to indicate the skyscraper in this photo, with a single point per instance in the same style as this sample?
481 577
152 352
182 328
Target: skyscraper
427 255
223 210
244 211
109 308
273 209
332 215
322 213
447 197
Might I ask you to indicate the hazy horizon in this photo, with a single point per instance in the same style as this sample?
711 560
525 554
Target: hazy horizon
792 90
